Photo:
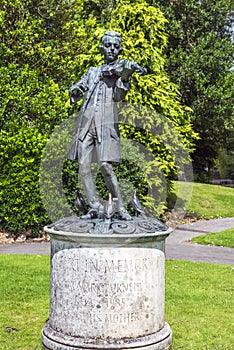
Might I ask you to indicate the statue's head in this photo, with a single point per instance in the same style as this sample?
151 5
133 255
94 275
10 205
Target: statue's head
111 46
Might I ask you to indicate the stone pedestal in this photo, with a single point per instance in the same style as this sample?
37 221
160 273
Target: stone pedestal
107 290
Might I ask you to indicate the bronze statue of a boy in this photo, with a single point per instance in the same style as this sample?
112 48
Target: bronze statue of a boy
97 124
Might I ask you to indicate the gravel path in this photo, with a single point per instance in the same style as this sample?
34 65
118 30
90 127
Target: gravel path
178 244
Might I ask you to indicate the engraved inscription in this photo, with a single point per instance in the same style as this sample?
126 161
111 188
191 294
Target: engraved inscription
125 318
110 289
102 265
100 288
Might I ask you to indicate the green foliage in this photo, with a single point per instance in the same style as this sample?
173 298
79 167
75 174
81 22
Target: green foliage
142 29
45 47
21 207
28 101
225 164
199 58
163 124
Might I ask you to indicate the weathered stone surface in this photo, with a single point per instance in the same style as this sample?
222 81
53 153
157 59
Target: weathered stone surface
161 340
107 292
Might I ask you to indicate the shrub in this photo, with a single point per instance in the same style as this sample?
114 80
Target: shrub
20 201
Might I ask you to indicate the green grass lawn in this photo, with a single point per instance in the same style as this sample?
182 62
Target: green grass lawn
199 303
207 201
223 239
24 301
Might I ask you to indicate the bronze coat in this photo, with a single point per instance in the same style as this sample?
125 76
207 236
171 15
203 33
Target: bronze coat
100 108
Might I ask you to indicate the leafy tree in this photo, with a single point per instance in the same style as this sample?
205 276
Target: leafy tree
225 164
199 58
33 101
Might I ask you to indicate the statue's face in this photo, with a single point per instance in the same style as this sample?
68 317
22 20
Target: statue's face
111 48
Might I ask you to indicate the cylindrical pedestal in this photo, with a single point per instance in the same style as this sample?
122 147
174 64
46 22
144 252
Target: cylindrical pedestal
106 295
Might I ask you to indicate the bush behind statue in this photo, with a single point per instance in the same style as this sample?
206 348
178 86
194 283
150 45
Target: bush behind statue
47 50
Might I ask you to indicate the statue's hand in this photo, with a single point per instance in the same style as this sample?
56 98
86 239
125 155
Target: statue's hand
77 89
127 71
130 67
139 69
76 92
